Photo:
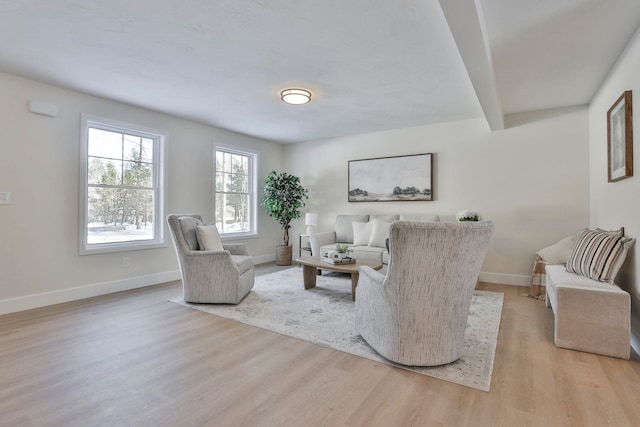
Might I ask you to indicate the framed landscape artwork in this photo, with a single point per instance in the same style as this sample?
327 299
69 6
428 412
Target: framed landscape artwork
620 139
389 179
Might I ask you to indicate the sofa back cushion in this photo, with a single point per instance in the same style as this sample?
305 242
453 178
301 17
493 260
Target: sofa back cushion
384 218
344 227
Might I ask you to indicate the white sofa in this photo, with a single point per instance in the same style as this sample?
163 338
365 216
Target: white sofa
590 316
375 249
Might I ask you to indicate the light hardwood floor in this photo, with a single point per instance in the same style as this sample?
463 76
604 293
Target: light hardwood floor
134 359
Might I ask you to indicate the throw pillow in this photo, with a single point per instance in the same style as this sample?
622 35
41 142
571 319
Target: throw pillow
558 253
599 255
379 233
208 238
361 233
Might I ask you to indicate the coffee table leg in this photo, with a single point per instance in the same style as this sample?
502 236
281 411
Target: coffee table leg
309 276
354 282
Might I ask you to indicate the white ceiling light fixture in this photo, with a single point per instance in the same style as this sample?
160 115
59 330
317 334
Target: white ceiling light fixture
295 96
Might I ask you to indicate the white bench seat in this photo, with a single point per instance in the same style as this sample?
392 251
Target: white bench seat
590 316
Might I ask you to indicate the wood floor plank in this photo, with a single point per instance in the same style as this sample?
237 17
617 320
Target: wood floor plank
135 359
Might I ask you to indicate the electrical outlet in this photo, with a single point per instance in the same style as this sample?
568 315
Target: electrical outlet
5 198
126 262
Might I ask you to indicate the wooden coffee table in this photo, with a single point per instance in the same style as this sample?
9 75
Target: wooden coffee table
312 264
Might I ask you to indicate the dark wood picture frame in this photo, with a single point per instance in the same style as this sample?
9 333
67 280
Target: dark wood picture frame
620 138
391 179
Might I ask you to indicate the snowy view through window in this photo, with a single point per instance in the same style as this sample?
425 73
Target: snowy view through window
120 190
233 192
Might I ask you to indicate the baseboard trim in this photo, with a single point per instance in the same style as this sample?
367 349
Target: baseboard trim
29 302
262 259
505 279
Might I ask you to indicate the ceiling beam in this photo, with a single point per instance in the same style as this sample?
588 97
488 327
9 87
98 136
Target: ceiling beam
467 26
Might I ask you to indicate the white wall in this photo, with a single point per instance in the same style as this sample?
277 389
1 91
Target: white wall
39 165
530 179
617 204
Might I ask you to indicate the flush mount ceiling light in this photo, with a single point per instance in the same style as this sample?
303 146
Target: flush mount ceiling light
295 96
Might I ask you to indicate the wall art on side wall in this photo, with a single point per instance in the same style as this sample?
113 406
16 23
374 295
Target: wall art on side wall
389 179
620 139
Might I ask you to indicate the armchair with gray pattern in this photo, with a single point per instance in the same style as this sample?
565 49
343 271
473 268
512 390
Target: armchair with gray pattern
224 276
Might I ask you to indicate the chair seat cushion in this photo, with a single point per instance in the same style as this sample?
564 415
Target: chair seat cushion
244 262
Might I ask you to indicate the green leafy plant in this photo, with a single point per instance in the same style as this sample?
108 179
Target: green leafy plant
283 198
342 249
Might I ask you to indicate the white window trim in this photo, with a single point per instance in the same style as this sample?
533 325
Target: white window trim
253 191
88 120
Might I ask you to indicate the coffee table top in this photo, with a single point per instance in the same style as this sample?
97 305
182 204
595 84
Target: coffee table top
316 261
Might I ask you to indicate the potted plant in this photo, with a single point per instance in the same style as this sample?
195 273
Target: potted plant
467 215
343 251
283 198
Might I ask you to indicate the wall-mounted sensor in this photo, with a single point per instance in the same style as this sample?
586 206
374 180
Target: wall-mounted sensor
44 108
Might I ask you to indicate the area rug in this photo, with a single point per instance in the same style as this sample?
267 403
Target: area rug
325 315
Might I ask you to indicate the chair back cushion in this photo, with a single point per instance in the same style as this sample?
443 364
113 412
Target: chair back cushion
429 218
188 225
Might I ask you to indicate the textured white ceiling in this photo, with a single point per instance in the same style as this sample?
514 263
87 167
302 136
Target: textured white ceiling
371 64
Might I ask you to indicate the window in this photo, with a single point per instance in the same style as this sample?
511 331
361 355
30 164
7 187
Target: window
121 187
234 194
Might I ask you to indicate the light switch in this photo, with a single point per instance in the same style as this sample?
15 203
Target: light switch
5 198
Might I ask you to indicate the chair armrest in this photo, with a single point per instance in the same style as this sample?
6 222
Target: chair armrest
236 248
317 240
206 265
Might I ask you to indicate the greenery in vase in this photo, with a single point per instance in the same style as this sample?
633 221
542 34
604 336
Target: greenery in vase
283 198
342 249
467 216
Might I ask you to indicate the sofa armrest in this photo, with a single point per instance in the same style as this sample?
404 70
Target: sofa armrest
317 240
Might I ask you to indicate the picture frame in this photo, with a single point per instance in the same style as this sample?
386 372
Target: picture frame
391 179
620 138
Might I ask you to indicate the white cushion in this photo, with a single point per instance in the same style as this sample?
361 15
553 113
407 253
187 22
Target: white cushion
344 229
379 233
361 233
558 253
208 238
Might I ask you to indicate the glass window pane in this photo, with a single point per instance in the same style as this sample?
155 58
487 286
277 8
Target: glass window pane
138 149
232 213
138 174
232 199
103 143
147 150
104 171
220 181
132 149
119 215
236 183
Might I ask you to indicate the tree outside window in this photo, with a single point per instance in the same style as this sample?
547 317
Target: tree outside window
123 191
234 192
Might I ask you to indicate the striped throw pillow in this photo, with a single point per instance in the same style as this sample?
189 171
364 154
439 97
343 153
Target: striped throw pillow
599 254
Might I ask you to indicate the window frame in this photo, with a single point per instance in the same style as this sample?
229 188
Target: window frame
159 171
253 191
